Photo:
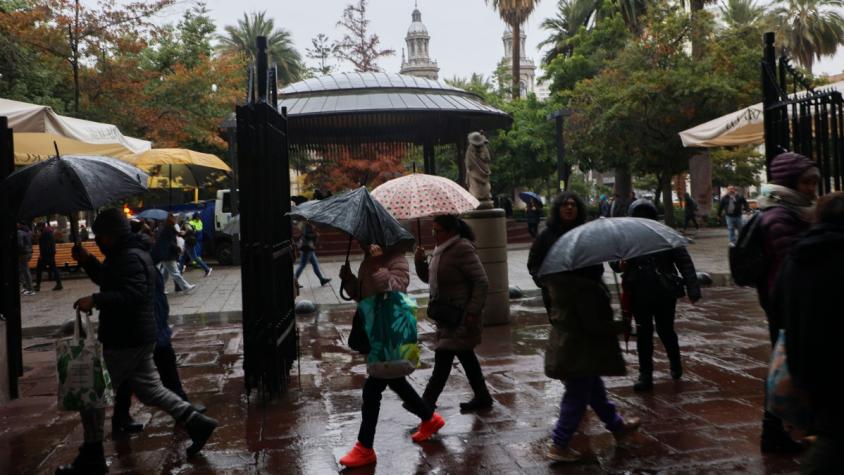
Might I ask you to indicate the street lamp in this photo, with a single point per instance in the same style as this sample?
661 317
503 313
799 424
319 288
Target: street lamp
563 168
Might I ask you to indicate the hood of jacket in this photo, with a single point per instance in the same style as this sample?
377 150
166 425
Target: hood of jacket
777 195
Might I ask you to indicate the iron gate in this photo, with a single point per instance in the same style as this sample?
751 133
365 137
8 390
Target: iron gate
10 301
269 324
809 122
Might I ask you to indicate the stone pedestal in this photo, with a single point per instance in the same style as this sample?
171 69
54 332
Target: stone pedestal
490 227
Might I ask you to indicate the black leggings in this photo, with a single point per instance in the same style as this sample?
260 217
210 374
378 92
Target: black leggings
372 389
443 360
661 311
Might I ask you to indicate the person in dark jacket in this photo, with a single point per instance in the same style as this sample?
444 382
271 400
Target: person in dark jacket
191 245
787 205
458 282
582 347
690 212
654 286
24 236
533 213
126 303
46 256
733 206
567 212
807 299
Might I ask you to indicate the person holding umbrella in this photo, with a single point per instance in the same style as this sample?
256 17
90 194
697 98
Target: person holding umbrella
458 288
533 213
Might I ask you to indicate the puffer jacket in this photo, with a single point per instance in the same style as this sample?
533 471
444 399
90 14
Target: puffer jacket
126 298
462 282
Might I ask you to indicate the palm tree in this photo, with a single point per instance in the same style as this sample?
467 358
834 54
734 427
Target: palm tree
514 13
240 39
738 13
810 29
570 16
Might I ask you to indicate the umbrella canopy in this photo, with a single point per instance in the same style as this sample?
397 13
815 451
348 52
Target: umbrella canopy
609 239
179 167
65 185
34 147
528 196
360 216
419 195
156 214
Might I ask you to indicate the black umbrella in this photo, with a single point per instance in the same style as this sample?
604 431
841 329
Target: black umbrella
71 183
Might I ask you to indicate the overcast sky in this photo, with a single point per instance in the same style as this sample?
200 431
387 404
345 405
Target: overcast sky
465 34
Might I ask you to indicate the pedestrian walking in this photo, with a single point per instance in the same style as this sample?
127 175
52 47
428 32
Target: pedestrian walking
605 207
567 212
163 355
170 267
732 206
307 250
652 286
383 271
787 205
127 331
690 212
582 347
24 236
46 256
190 255
196 224
807 300
458 289
533 213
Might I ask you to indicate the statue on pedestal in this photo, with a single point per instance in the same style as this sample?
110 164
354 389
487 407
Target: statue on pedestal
478 167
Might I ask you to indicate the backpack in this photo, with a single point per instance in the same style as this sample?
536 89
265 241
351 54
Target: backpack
748 263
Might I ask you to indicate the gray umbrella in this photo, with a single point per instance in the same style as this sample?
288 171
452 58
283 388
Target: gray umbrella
71 183
610 239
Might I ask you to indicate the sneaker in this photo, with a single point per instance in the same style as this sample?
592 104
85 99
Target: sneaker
562 454
323 282
428 428
476 404
29 292
189 289
359 456
628 428
58 287
209 271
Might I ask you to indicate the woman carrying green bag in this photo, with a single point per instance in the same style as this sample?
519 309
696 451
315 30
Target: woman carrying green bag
388 316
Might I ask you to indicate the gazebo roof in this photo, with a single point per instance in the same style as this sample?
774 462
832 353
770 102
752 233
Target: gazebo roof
378 107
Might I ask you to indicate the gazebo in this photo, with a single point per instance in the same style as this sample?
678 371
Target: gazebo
374 111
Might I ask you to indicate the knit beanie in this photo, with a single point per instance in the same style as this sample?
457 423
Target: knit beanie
786 169
112 222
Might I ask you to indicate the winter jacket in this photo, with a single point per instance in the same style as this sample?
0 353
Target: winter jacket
538 251
127 294
739 207
691 206
534 216
642 276
462 282
163 333
24 242
807 299
584 335
387 272
167 237
47 243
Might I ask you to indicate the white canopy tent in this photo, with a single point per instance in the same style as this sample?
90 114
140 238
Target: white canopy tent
25 117
742 127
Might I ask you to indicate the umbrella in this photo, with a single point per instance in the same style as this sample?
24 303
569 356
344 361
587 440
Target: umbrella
418 195
610 239
33 147
528 196
179 167
156 214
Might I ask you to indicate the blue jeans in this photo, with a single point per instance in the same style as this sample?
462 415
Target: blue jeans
309 256
582 391
733 226
195 257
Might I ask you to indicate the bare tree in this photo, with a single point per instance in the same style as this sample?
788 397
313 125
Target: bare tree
358 46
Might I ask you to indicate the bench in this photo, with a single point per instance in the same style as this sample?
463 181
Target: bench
64 259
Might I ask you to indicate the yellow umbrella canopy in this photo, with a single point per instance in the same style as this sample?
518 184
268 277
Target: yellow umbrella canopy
180 167
34 147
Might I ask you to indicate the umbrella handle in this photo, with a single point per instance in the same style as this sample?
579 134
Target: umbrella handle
419 230
343 295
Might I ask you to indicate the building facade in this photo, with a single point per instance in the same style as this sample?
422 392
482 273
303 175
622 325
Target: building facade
418 61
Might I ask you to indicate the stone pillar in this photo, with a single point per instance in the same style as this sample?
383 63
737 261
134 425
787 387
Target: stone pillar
700 175
490 227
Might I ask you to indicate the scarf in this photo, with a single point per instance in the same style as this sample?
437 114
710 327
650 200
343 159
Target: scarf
777 195
435 263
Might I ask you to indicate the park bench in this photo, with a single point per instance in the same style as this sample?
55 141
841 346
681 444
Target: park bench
64 259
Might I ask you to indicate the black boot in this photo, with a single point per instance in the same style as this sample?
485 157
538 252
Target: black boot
482 400
644 383
775 440
90 461
676 369
124 426
199 427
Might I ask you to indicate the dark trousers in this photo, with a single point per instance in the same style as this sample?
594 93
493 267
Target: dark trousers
661 312
824 457
372 389
582 391
690 218
48 262
443 360
533 229
165 362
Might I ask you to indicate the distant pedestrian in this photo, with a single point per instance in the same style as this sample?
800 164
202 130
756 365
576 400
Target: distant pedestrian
808 302
127 331
196 223
605 207
732 207
458 290
582 347
169 267
47 256
84 235
307 250
24 236
567 212
690 212
653 287
383 271
507 205
787 205
533 213
190 255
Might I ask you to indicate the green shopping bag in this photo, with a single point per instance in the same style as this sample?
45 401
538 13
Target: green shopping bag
84 382
390 323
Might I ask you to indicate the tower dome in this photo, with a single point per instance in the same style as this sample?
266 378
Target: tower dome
418 61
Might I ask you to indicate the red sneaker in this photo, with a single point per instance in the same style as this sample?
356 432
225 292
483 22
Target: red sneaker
359 456
428 428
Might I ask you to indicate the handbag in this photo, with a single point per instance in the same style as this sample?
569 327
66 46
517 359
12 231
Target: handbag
84 382
445 314
389 320
358 340
785 400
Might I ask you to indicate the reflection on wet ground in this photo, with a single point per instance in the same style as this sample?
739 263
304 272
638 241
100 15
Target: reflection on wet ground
707 422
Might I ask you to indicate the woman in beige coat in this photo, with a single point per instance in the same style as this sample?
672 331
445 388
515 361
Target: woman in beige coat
458 288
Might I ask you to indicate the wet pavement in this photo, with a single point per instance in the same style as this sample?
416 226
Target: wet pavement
706 423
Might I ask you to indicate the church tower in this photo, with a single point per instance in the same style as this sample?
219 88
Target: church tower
527 68
418 61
